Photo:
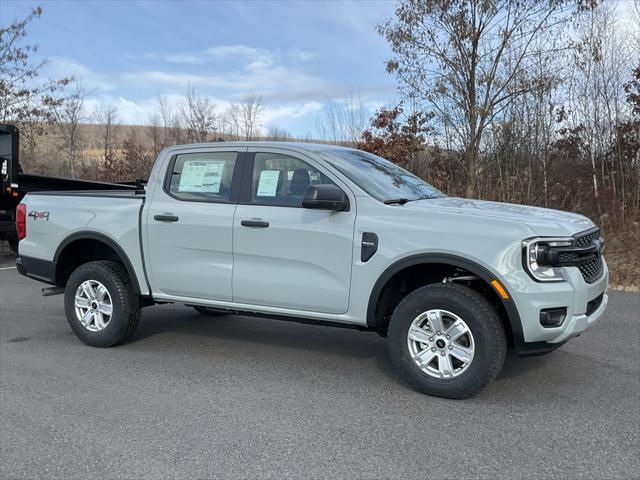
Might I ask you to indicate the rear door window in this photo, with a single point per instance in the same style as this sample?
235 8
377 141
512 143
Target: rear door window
202 176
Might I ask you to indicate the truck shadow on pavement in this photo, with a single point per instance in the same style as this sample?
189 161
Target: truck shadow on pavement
257 331
262 333
515 366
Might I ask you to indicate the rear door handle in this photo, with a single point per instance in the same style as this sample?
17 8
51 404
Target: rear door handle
254 223
166 218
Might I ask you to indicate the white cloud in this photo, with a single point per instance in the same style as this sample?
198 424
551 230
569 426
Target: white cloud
174 79
275 114
300 55
292 97
62 67
131 112
211 54
251 70
226 52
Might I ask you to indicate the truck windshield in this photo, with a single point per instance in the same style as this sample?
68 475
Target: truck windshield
380 178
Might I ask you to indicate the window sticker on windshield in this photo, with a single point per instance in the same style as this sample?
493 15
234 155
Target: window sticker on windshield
201 176
268 183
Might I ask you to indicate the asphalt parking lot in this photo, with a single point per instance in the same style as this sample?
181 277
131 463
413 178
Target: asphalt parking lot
237 397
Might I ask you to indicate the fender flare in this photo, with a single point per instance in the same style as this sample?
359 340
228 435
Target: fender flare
100 237
456 261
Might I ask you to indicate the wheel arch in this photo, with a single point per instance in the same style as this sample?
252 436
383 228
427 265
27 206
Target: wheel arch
376 321
99 246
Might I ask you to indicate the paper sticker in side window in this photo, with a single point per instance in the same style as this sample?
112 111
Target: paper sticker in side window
201 176
268 183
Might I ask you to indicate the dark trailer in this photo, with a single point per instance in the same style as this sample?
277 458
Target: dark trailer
16 184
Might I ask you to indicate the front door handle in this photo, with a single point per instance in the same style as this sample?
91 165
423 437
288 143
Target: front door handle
166 218
254 223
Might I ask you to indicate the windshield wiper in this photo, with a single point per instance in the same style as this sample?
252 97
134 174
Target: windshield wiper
398 201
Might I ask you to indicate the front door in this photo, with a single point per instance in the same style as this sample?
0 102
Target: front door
284 255
189 225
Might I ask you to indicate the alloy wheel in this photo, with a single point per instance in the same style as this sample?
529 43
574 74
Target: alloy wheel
93 305
441 343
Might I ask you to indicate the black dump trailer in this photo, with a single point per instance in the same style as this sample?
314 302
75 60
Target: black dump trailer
16 184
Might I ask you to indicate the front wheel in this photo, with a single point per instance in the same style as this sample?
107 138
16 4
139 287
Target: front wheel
101 305
447 340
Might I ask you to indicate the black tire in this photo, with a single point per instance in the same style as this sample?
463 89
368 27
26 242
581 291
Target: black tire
483 322
207 311
13 244
125 304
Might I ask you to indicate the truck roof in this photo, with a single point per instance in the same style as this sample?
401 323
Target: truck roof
293 145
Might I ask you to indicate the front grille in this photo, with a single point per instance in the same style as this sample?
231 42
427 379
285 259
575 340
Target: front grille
568 257
584 239
591 271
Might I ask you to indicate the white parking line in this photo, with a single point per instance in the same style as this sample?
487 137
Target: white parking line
7 268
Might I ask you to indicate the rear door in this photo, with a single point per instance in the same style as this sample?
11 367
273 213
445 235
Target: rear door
284 255
189 224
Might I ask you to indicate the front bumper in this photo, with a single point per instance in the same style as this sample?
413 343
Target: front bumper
575 294
579 323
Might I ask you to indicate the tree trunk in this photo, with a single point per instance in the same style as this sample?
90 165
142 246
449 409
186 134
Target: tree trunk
472 170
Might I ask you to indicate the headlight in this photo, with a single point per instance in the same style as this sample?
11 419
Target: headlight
539 258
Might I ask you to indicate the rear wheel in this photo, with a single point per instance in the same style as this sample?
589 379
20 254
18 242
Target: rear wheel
447 340
14 246
101 306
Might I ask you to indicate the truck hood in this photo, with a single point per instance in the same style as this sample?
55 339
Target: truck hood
541 221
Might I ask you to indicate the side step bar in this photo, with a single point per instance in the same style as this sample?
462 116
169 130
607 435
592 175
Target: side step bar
49 291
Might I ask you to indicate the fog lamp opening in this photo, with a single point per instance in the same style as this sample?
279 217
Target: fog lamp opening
552 317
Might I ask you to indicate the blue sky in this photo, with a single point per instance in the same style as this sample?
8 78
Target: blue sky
296 54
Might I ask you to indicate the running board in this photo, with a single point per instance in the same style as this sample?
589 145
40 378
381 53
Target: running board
49 291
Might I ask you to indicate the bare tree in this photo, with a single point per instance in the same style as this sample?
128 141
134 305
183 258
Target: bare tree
25 99
21 97
635 21
167 122
136 158
278 134
199 116
176 130
164 111
251 109
155 133
343 121
467 59
230 122
69 117
595 94
107 119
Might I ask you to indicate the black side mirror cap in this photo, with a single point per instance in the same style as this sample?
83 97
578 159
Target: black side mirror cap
325 197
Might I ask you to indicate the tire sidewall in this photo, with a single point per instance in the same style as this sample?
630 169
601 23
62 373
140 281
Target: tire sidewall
488 353
112 333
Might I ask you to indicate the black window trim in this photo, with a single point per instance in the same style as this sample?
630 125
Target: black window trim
247 179
238 172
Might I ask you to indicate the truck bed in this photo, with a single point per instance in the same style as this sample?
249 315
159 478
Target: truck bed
57 217
35 183
137 194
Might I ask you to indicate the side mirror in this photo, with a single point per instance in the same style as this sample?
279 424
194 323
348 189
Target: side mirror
325 197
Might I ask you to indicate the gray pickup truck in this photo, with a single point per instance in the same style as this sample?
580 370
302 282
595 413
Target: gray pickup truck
325 235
